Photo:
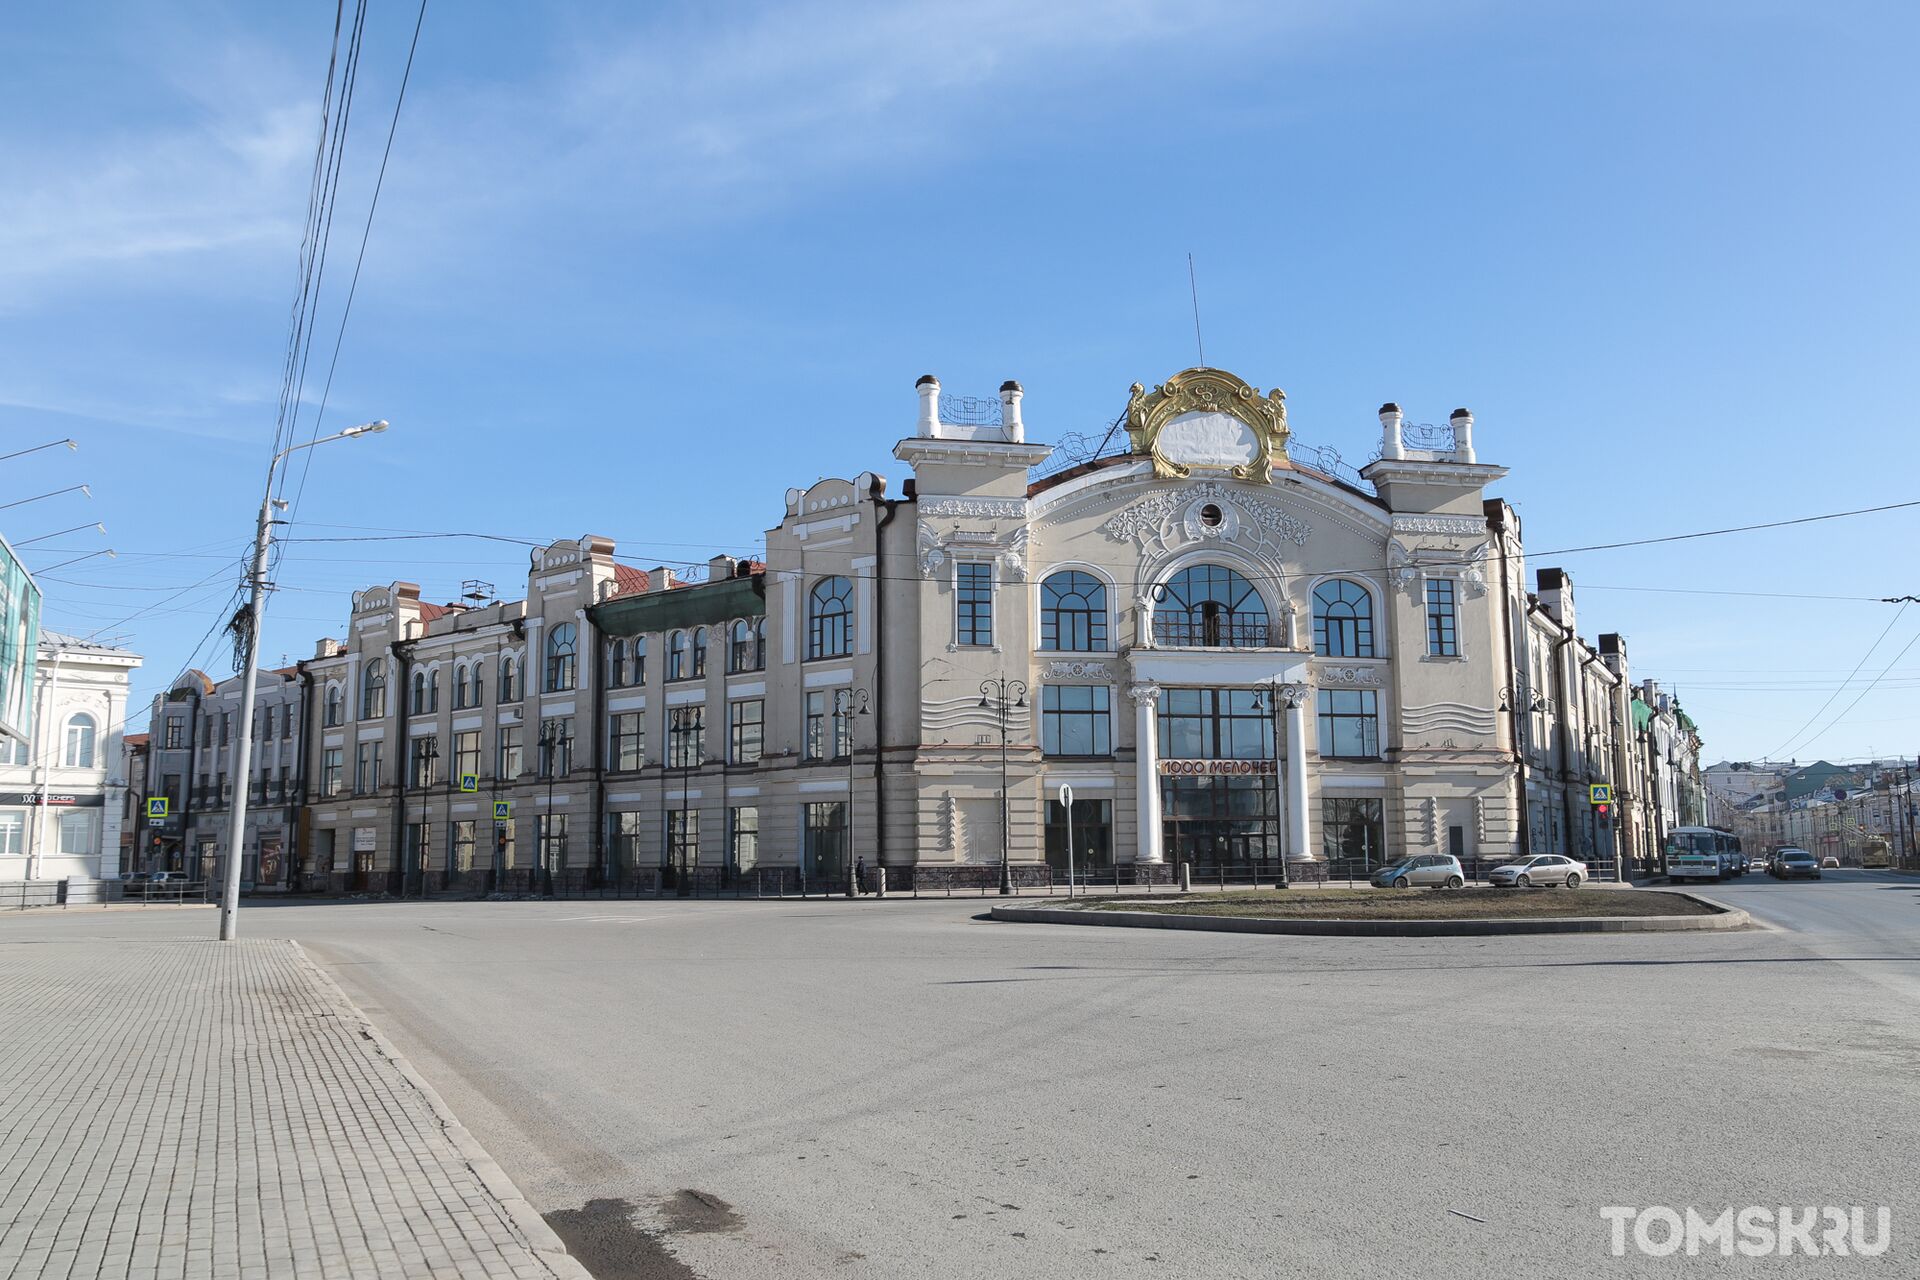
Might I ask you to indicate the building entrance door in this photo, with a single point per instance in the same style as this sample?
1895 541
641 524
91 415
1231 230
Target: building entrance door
1212 820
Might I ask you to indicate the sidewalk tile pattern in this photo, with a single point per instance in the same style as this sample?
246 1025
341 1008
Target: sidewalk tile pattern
185 1110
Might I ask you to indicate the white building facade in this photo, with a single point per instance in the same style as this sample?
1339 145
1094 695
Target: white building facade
61 791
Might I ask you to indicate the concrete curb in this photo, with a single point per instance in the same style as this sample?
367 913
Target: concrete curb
1725 918
540 1237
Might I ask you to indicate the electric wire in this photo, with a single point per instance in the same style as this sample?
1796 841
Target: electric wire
1795 738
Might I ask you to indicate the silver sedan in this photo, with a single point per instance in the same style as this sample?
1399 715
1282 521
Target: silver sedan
1542 869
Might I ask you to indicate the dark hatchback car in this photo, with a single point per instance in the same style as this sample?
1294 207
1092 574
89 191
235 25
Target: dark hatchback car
1796 864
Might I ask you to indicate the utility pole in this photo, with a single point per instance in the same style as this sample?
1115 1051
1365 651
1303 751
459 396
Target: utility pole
250 663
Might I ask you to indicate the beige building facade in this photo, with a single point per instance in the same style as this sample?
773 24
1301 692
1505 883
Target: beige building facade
1197 645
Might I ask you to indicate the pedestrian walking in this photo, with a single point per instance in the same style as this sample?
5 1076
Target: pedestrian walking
860 875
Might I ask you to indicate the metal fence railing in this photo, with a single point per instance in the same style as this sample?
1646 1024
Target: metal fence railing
28 894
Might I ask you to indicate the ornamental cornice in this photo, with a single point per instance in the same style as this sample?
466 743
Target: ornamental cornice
984 508
1452 526
1352 677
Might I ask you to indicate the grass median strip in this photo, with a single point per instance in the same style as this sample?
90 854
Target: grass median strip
1416 904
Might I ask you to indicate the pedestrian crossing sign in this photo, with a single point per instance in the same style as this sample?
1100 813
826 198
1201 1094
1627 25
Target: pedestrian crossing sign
502 810
156 806
1600 793
469 782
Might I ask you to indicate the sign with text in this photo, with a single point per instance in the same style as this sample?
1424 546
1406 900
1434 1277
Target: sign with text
1215 768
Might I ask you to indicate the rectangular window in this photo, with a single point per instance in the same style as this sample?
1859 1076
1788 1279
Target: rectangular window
366 768
816 726
974 596
423 762
176 733
681 848
14 751
419 846
1350 723
624 828
556 747
170 788
79 832
1215 724
226 727
626 745
551 832
686 737
1091 827
1353 829
745 730
1442 632
466 754
824 849
463 841
1076 720
13 831
507 752
743 836
509 680
333 770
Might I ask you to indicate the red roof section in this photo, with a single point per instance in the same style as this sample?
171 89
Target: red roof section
136 739
629 580
428 612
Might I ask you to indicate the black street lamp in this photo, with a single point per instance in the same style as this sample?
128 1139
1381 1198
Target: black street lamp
429 753
995 693
848 704
553 740
1520 702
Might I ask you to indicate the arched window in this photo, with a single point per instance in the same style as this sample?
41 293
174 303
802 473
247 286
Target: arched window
373 691
830 619
677 656
1073 612
639 659
1210 606
760 643
560 657
478 697
461 697
1342 620
617 668
80 734
420 687
699 651
740 646
336 706
509 678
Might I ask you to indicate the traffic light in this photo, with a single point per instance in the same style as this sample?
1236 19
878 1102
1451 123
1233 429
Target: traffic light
1605 812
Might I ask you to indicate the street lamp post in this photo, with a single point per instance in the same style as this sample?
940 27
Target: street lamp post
1519 701
995 693
429 752
256 606
848 704
552 742
1275 696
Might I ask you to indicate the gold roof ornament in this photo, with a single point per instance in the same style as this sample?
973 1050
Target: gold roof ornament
1208 420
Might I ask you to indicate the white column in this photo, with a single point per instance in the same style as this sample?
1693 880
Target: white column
1299 824
1146 754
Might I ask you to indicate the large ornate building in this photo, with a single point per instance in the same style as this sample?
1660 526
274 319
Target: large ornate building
1222 649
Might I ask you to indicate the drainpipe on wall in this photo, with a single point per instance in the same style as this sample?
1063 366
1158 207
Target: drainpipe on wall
36 852
402 652
1514 711
297 803
1566 734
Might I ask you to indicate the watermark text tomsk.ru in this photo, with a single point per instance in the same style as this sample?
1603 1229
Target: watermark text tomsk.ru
1756 1231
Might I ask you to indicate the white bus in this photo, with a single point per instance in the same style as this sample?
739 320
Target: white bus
1703 853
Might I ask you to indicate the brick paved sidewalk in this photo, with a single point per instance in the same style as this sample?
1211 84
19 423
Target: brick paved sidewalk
191 1109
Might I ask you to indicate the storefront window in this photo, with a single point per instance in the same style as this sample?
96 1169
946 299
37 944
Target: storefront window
1353 828
1092 829
1214 724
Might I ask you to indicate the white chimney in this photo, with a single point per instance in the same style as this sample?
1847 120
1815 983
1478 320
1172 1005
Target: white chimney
1016 430
1462 435
928 427
1392 447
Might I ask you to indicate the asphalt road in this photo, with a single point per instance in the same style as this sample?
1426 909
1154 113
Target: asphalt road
896 1089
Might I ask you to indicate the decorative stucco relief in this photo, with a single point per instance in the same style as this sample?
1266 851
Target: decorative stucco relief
1408 566
1177 517
1444 717
1072 670
987 508
1455 526
1360 677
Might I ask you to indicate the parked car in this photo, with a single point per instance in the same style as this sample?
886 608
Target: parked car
1542 869
1438 870
1793 864
168 884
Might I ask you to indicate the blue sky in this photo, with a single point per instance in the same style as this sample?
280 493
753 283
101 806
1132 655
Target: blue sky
638 269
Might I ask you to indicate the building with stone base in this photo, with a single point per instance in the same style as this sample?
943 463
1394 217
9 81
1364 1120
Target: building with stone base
1197 644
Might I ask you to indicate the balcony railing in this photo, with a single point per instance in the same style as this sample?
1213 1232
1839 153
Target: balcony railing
1186 631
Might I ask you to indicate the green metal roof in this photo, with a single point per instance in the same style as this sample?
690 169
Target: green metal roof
1642 714
707 604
